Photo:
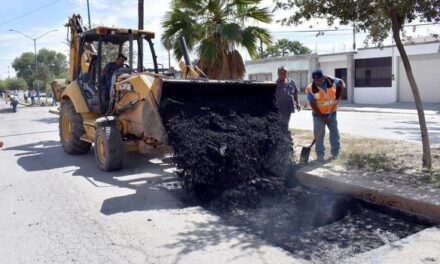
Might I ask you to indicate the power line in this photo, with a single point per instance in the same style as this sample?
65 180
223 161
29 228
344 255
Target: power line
342 29
28 13
310 31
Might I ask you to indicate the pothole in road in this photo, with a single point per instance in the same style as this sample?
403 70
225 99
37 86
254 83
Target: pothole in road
321 227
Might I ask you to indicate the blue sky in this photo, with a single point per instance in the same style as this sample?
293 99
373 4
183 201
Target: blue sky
53 14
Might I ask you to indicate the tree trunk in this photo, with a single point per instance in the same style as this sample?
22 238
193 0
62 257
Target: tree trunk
396 26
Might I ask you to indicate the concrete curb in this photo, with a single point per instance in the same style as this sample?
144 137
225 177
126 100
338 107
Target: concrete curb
386 111
419 208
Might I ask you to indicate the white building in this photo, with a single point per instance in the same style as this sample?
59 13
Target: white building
373 75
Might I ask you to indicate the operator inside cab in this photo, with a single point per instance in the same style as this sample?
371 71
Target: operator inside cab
106 80
111 67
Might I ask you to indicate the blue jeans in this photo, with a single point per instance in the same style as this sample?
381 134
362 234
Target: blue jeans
319 133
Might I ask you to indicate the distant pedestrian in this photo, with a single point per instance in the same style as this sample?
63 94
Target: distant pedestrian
14 103
324 94
54 100
286 95
1 144
32 96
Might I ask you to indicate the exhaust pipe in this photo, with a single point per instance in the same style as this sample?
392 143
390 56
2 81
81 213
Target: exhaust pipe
130 50
189 66
184 49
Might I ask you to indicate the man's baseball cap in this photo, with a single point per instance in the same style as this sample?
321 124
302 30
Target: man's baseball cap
317 73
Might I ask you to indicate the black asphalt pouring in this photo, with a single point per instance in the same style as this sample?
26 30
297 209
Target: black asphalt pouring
236 148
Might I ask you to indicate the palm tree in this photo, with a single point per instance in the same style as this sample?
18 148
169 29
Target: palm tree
214 29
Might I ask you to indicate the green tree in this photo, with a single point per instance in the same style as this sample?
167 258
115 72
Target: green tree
51 64
16 84
284 46
376 17
25 67
3 85
214 29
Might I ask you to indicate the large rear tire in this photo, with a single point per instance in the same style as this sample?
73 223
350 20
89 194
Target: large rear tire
71 129
109 148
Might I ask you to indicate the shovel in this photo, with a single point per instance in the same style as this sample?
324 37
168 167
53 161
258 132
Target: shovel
305 151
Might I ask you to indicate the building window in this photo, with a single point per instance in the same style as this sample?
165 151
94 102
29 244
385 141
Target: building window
300 79
373 72
260 77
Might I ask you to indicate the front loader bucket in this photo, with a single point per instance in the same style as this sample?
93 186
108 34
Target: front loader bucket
224 134
193 96
201 88
191 99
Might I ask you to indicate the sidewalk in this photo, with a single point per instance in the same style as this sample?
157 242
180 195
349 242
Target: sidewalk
398 108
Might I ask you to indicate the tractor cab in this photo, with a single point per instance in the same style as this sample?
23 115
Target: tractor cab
101 45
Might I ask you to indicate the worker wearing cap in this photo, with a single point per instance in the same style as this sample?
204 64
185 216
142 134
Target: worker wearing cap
106 78
286 94
111 67
323 94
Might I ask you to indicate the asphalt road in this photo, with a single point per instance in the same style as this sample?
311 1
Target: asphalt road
56 208
377 125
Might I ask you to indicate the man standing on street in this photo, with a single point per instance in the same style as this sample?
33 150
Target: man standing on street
286 94
32 96
323 94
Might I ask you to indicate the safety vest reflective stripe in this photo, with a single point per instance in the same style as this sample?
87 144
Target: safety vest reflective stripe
325 101
328 102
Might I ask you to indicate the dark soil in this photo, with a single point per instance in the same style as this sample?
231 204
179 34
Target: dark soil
233 148
320 227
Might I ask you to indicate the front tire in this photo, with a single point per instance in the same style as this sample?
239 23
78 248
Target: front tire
109 148
71 129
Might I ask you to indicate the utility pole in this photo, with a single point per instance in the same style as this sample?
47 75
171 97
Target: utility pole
140 40
141 14
9 74
88 13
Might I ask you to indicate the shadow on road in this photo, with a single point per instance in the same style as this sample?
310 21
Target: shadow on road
150 176
6 110
276 222
48 120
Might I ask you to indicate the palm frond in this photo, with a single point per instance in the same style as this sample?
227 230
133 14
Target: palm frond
214 28
230 32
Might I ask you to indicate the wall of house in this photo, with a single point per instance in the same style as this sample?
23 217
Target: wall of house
385 95
426 70
297 63
399 89
328 64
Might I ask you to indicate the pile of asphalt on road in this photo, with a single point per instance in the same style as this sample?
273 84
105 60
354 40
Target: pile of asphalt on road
230 149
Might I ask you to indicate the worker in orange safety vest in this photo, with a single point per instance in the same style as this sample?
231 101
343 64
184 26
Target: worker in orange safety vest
323 94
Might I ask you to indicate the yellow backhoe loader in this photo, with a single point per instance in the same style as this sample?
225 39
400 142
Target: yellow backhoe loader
127 115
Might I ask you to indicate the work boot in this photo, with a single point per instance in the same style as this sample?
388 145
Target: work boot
320 159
